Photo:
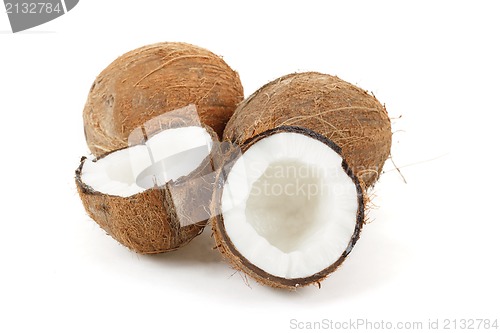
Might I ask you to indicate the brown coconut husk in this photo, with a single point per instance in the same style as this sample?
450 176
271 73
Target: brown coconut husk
342 112
160 219
226 247
152 80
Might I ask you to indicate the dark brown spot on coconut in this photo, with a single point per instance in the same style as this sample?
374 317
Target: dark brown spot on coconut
110 101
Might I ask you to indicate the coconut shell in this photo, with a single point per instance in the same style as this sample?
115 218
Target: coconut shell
228 249
159 219
336 109
152 80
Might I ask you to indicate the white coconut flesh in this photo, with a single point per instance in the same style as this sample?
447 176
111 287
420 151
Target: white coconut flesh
288 205
166 156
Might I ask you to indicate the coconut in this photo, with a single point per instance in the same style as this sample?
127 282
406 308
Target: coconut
154 196
340 111
288 209
149 81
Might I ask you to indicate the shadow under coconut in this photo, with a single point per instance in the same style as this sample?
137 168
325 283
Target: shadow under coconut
374 262
199 250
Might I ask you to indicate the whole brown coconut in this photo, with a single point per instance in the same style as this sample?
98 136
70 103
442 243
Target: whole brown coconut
152 80
338 110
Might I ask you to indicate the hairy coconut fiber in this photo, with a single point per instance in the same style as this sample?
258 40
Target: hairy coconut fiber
228 250
159 219
344 113
152 80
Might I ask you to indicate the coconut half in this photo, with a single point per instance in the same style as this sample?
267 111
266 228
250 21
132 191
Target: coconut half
152 197
291 210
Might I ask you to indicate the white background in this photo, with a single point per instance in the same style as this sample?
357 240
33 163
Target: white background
431 250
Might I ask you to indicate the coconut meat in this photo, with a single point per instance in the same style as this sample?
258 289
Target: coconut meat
166 156
288 205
